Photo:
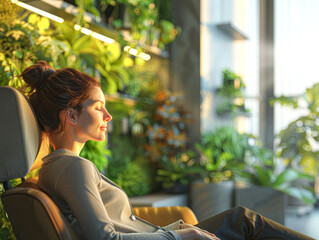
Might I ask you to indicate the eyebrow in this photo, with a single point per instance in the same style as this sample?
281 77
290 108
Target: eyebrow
94 101
99 101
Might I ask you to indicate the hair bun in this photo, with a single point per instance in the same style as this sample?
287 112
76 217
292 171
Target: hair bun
36 75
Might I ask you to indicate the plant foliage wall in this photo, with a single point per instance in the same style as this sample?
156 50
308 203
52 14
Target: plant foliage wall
26 37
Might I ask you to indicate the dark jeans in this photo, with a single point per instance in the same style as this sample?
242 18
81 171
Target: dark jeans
242 223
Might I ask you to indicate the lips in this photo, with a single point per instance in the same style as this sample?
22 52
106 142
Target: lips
104 128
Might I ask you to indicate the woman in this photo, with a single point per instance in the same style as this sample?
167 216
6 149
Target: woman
70 110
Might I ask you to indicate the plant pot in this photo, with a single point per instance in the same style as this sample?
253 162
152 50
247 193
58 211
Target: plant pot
208 199
264 200
298 207
177 188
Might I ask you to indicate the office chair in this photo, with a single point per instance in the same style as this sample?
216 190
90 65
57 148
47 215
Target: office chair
32 213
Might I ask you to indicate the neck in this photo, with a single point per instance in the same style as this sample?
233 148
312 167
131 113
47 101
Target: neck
75 147
67 141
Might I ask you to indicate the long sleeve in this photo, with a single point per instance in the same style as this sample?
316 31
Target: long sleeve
78 184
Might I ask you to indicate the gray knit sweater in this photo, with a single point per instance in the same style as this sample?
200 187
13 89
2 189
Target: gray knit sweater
95 207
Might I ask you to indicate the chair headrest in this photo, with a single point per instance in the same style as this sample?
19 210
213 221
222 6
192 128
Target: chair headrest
20 135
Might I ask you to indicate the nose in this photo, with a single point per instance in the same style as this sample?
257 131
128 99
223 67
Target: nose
107 117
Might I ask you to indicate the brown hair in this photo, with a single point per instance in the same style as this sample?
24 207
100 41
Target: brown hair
50 91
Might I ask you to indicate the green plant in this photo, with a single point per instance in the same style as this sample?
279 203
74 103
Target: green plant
148 24
135 176
261 169
127 166
8 12
150 20
17 51
97 153
156 132
233 84
221 154
66 47
177 172
227 155
232 93
297 144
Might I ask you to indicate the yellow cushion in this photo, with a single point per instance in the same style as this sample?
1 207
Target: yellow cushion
162 216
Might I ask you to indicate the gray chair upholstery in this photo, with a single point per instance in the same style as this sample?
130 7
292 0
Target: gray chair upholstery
20 135
32 213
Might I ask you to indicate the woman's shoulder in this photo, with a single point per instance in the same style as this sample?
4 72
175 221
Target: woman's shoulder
66 156
64 161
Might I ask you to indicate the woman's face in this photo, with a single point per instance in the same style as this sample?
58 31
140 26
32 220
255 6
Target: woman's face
93 118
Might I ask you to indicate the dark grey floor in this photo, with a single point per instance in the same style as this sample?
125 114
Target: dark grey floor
304 223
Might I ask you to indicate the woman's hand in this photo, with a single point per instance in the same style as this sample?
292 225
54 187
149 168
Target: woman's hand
189 232
185 226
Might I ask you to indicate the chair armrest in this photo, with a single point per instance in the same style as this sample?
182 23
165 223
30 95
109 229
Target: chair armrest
163 216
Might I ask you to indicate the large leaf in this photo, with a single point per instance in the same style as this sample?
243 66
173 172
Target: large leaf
287 176
263 176
302 194
290 175
81 43
114 51
122 72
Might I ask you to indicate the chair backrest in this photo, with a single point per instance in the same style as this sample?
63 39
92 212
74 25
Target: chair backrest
19 135
32 213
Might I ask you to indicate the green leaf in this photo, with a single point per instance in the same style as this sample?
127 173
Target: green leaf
285 101
33 19
117 23
263 176
81 43
302 194
43 24
122 72
290 175
114 51
18 54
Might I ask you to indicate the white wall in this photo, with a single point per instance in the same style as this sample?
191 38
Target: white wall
220 51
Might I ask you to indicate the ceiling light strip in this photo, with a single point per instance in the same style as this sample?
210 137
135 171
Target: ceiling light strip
94 34
134 52
86 31
39 11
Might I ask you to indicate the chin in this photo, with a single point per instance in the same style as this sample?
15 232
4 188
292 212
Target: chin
100 138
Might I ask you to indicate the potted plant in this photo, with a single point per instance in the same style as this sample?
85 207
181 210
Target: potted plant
261 185
221 155
231 93
177 172
297 145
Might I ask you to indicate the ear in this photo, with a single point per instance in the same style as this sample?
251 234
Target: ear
71 116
